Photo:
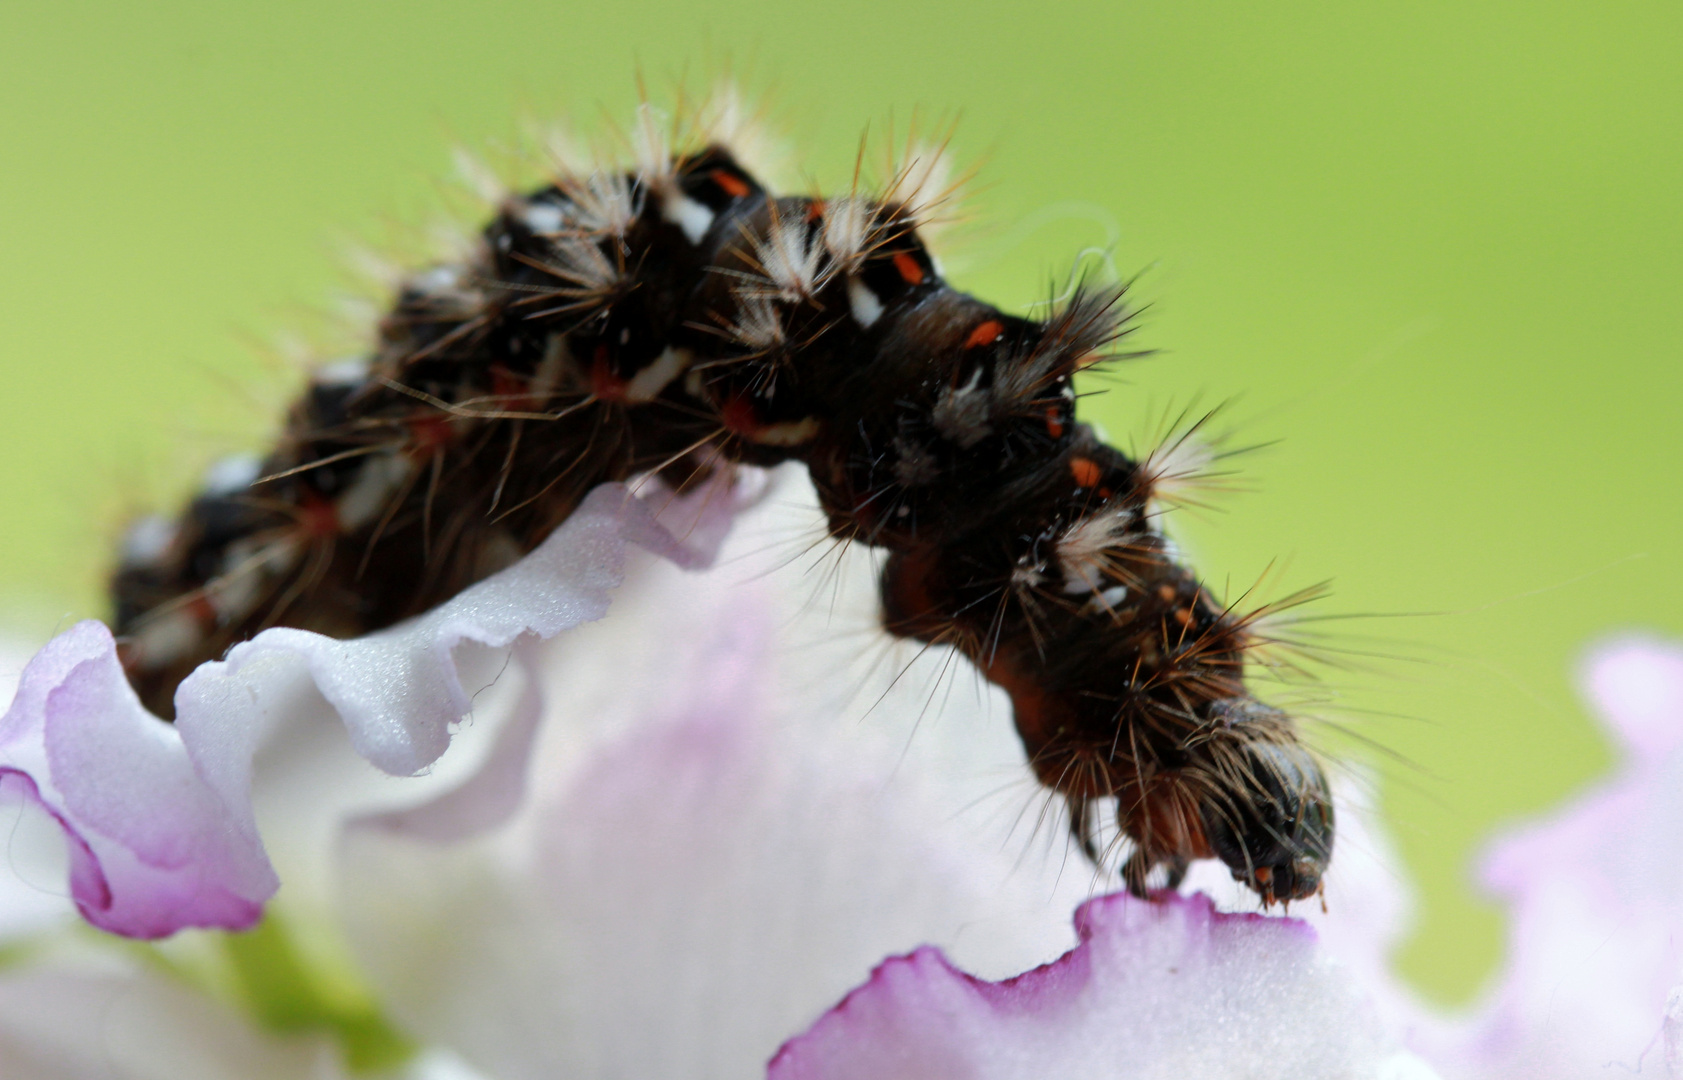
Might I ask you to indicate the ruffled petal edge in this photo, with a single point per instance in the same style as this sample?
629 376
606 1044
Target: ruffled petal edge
158 816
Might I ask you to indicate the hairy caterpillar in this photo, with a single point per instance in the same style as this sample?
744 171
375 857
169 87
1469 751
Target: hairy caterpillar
675 318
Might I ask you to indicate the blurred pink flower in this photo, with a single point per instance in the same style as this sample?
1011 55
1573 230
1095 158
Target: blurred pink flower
1593 977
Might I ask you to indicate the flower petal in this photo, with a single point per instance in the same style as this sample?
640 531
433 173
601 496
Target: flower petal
1595 898
731 820
1168 989
1636 684
152 848
159 816
722 837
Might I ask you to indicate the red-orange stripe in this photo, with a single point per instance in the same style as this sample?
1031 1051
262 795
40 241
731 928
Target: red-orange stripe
985 334
733 184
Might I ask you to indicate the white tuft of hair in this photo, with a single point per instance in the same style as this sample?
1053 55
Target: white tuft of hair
924 183
479 178
847 231
789 254
759 322
582 262
1084 549
651 147
1178 468
607 202
729 119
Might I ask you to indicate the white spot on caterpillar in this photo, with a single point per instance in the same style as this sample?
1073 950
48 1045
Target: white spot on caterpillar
788 433
550 369
365 498
231 475
647 384
148 541
963 415
245 567
1027 577
165 639
233 597
1108 600
690 216
352 371
542 217
447 290
1085 550
439 281
866 308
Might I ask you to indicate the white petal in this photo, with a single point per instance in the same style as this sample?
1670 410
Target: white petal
158 817
724 836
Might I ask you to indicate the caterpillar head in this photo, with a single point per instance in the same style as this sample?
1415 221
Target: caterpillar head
1270 817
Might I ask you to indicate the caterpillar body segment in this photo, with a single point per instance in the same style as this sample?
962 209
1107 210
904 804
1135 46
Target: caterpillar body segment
677 319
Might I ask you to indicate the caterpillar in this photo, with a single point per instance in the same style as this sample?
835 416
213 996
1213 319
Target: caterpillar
674 318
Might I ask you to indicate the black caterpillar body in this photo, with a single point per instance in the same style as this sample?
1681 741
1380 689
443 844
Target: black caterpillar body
677 318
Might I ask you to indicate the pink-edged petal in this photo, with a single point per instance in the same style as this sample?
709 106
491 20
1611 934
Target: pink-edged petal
1172 989
1595 899
398 691
159 816
151 846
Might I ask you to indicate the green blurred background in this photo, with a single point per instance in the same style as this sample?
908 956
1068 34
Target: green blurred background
1434 249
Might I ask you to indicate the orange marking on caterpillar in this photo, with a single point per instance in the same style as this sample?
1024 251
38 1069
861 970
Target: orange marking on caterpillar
318 518
985 334
202 610
815 210
510 389
1054 422
910 272
741 418
1085 470
731 183
603 382
428 433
